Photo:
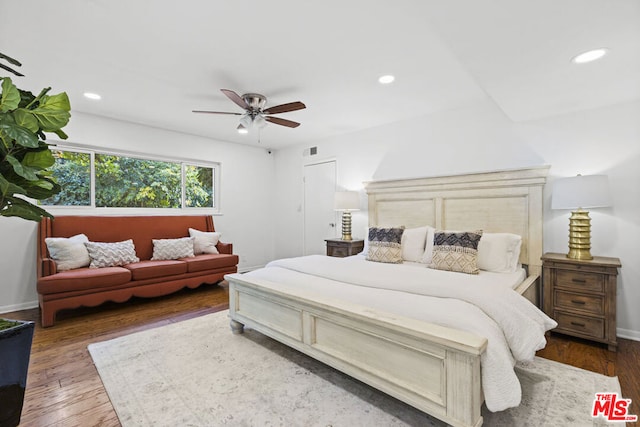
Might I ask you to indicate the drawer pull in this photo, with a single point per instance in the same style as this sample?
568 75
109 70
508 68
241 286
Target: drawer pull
578 302
578 280
582 325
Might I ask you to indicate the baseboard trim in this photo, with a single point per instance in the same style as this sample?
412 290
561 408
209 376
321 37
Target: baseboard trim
18 307
628 334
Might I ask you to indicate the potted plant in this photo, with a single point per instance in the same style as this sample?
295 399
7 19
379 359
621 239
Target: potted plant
15 348
24 160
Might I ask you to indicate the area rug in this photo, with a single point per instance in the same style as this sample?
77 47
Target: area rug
197 373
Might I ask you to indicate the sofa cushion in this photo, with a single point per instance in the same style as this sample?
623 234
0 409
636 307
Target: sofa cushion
83 279
210 262
150 269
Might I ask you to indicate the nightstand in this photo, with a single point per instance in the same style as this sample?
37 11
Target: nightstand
343 248
581 296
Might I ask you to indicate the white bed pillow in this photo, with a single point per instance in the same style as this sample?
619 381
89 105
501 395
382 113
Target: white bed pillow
68 252
499 252
428 247
205 241
413 243
165 249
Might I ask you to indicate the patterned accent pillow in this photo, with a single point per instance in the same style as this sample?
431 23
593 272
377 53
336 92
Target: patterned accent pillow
172 248
385 245
68 253
111 254
456 251
205 241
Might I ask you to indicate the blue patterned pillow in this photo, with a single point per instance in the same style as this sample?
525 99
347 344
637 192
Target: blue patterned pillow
385 245
456 251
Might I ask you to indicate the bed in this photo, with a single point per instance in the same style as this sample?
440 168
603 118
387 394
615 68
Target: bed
355 315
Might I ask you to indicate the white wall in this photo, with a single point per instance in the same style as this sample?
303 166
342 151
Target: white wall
246 219
480 138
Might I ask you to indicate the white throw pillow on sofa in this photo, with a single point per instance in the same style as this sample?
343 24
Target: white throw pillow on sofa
164 249
68 253
205 241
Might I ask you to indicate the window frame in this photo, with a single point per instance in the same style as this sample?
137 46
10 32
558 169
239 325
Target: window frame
182 161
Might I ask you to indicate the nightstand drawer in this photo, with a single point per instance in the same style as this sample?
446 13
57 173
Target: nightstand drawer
591 303
338 251
580 280
586 326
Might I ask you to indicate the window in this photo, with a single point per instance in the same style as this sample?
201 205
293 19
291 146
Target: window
119 181
72 171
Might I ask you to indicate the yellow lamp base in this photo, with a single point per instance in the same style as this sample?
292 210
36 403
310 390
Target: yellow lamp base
346 225
580 235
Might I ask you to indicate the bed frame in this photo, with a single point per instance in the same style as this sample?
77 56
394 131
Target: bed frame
433 368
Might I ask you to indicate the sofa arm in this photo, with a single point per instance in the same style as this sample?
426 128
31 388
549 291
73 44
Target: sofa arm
48 267
225 248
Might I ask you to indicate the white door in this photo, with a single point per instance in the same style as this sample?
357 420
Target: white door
319 215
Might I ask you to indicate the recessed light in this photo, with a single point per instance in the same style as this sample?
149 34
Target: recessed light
91 95
386 79
589 56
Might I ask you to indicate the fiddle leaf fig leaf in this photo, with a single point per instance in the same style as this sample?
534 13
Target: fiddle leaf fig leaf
26 119
53 112
39 159
24 171
21 136
8 188
10 96
23 209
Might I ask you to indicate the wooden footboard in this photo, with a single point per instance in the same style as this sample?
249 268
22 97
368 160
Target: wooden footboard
433 368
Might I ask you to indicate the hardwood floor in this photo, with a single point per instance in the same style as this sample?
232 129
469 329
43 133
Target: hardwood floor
64 388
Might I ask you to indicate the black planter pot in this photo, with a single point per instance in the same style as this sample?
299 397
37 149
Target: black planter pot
15 349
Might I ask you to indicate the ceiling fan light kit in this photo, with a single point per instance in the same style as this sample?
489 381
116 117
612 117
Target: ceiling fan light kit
255 115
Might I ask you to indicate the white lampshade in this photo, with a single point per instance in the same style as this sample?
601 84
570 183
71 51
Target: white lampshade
347 201
589 191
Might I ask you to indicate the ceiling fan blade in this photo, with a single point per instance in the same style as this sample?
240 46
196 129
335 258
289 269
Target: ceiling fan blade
235 98
284 108
282 122
215 112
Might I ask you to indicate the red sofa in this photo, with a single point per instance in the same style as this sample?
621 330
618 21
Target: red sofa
93 286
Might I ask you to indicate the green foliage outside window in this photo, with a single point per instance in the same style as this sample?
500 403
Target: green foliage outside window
74 171
199 187
136 183
130 182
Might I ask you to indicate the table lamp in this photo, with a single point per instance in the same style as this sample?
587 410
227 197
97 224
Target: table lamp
346 201
579 193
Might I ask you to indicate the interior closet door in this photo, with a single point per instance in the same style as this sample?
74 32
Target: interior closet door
319 216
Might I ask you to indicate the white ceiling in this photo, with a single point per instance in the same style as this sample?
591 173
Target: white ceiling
155 61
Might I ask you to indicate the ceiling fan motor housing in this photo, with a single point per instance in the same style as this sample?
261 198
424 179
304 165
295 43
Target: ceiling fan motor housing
255 101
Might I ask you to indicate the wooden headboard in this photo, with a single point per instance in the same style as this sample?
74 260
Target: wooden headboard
508 201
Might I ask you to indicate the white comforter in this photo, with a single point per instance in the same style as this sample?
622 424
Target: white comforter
512 325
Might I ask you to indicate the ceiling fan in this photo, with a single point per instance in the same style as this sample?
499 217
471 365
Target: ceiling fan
254 112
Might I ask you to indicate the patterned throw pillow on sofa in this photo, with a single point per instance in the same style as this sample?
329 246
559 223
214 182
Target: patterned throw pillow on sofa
172 248
456 251
111 254
385 245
